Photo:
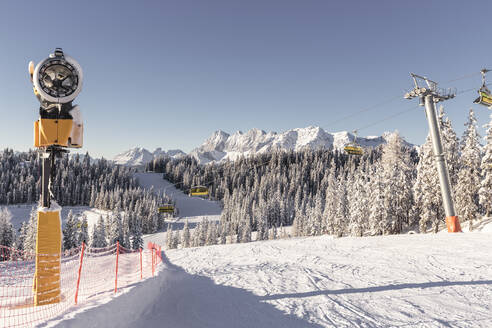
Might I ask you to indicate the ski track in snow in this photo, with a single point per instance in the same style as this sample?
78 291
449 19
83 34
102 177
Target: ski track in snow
393 281
431 280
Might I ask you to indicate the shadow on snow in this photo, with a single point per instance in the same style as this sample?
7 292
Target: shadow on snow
377 289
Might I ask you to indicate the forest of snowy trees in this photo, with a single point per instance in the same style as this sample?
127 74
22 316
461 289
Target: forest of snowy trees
100 184
388 190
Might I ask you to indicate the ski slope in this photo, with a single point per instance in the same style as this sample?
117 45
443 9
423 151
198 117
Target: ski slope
188 206
418 280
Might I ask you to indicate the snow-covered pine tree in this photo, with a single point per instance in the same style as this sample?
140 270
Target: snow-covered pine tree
31 229
330 202
377 210
245 231
469 175
125 228
211 238
70 232
357 200
450 145
98 238
136 236
485 192
114 231
186 241
83 230
176 239
169 236
21 237
7 232
396 179
223 233
427 192
341 211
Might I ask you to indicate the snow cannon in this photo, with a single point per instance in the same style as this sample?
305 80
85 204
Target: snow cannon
57 80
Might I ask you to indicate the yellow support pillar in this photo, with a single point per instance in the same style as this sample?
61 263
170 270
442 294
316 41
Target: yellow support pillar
48 255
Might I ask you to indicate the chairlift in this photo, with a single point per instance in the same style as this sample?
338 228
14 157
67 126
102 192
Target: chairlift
198 191
168 208
484 94
353 148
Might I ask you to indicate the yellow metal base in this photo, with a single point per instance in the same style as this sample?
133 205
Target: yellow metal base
50 132
48 253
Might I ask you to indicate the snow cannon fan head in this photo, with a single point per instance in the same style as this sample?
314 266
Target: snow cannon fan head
57 80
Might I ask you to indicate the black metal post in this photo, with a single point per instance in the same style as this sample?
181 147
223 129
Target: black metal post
45 179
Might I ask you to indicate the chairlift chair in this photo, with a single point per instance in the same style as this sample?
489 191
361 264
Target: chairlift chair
168 208
198 191
353 148
484 94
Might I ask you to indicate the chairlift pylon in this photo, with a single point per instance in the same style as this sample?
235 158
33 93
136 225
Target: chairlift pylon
484 94
353 148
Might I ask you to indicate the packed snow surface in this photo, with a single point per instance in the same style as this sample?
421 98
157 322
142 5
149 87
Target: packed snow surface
418 280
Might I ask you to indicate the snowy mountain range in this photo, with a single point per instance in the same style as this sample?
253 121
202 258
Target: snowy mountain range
223 146
139 156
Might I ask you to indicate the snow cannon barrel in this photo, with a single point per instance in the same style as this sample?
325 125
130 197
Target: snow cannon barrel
57 80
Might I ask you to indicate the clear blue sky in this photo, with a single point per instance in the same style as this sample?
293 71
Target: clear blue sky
169 73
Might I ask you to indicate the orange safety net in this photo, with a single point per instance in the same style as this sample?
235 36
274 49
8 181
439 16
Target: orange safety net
84 273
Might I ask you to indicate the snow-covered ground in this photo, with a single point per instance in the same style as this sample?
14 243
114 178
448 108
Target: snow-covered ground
418 280
20 213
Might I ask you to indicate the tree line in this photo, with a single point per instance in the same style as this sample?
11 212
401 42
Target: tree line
389 190
79 181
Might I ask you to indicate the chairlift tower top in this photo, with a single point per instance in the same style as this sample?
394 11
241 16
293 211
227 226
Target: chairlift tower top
429 94
428 87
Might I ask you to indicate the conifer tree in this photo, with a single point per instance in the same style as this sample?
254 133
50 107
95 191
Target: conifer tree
98 238
31 230
427 189
7 233
115 231
186 242
83 231
485 191
169 237
469 175
136 238
70 232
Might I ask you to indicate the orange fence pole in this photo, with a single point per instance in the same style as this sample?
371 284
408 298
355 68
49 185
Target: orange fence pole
141 276
80 270
116 275
153 262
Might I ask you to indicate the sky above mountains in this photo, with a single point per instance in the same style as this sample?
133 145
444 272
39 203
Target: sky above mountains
169 73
